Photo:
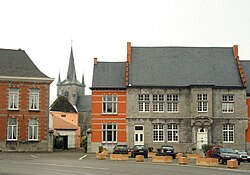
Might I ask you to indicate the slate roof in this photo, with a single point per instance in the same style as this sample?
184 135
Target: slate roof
84 103
246 69
16 63
183 66
109 75
71 74
63 105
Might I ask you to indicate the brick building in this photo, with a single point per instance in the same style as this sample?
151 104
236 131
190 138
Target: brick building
180 96
108 119
24 105
246 69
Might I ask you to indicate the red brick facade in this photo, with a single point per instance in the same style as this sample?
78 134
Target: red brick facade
23 115
98 118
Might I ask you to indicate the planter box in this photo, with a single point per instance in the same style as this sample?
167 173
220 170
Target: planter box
139 158
193 156
105 152
178 155
100 156
151 154
118 156
183 160
162 159
207 162
232 163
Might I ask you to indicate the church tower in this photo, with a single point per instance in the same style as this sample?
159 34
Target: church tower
71 88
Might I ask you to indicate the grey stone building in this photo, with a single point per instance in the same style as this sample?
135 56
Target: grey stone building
74 91
185 97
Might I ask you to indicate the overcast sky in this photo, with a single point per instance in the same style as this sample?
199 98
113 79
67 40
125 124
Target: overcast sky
101 28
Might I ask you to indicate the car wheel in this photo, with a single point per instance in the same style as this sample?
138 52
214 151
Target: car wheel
146 156
238 162
173 157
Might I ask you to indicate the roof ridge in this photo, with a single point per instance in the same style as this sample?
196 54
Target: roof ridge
179 47
13 49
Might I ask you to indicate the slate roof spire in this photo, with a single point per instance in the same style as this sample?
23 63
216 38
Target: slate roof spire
71 75
59 79
83 83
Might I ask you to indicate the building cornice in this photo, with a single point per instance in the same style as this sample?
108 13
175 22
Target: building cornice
27 79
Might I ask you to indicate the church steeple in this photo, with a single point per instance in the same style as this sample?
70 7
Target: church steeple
71 75
83 83
59 79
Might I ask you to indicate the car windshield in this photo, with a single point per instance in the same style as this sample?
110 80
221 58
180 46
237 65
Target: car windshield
167 147
242 152
227 150
140 147
121 147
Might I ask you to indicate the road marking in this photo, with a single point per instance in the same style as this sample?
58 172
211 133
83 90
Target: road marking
83 157
68 166
34 156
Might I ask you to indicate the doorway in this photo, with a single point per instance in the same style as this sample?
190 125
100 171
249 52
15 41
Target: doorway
201 137
139 135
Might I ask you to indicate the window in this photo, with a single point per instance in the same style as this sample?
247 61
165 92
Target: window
33 130
172 103
227 103
202 101
158 133
109 104
228 133
109 133
34 99
143 103
12 129
173 133
158 103
13 98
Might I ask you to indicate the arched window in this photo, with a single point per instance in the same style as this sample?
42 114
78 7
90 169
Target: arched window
12 129
33 130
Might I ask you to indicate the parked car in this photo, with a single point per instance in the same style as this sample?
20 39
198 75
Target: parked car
120 149
243 155
209 152
139 150
224 154
166 150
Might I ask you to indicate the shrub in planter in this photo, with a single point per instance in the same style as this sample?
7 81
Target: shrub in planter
150 149
100 149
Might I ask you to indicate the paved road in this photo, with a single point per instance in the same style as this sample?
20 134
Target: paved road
76 162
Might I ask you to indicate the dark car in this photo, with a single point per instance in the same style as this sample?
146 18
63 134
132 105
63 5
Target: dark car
139 150
166 150
243 155
120 149
224 154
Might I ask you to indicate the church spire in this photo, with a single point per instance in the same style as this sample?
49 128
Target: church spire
59 79
71 75
83 83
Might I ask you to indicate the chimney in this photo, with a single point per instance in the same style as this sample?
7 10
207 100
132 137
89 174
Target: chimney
129 52
235 51
95 60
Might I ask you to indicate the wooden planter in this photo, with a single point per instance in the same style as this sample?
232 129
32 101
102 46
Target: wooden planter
193 156
118 156
105 152
183 160
100 156
151 154
207 162
139 158
162 159
232 164
178 155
